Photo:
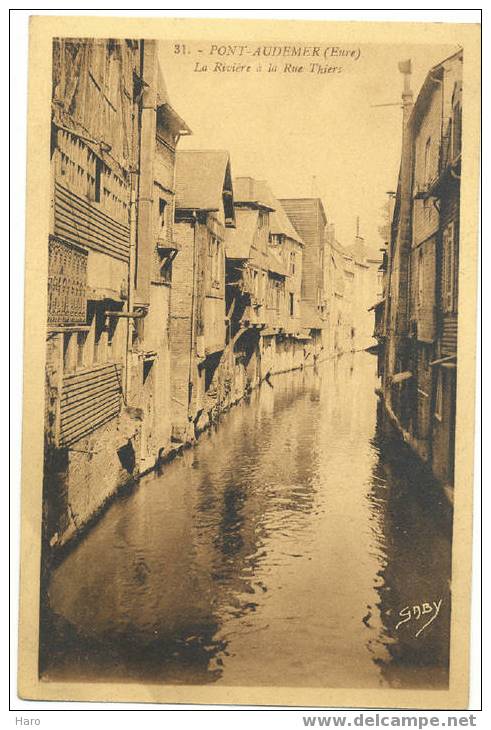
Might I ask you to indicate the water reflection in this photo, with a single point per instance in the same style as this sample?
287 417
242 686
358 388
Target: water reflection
279 551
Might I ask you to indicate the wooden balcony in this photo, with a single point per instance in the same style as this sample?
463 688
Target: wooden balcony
67 283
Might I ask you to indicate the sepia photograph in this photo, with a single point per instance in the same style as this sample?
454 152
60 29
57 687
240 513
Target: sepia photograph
251 438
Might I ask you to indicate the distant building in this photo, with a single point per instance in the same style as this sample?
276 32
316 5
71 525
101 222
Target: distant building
309 219
365 291
417 324
292 340
157 250
264 283
204 210
339 322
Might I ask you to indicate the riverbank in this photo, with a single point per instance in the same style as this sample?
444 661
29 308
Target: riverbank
415 446
280 548
69 472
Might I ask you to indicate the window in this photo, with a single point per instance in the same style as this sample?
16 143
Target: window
292 263
448 268
147 369
292 304
254 283
113 338
138 333
165 267
380 281
421 279
455 124
215 263
457 132
99 336
69 352
162 219
81 340
98 180
439 396
427 161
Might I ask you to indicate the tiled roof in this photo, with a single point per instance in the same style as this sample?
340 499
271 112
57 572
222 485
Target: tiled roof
200 178
360 251
279 222
248 190
162 95
240 239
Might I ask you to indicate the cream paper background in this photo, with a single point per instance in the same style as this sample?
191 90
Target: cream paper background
42 30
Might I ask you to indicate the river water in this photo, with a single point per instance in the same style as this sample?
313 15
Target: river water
278 551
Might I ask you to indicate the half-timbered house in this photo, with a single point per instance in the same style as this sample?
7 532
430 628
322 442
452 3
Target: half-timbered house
113 138
204 211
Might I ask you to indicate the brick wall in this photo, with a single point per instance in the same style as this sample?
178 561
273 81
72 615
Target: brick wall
426 160
182 340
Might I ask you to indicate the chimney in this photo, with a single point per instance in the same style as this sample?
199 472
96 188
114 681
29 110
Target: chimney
405 67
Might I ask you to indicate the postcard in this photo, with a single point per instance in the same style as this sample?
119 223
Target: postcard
249 343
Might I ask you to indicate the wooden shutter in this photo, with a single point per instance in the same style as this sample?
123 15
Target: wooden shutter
426 278
448 267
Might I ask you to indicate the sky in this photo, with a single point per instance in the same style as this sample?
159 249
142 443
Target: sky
305 133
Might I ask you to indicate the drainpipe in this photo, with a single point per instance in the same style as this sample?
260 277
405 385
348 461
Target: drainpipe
131 285
133 222
147 129
192 342
405 222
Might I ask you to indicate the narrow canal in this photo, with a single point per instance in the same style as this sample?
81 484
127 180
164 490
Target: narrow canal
279 551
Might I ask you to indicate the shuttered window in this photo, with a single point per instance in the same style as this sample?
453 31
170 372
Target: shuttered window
423 410
448 268
215 264
421 278
439 397
427 161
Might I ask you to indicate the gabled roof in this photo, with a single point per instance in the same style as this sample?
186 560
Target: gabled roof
239 240
279 222
356 250
251 192
430 84
202 176
162 94
361 251
293 206
165 111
